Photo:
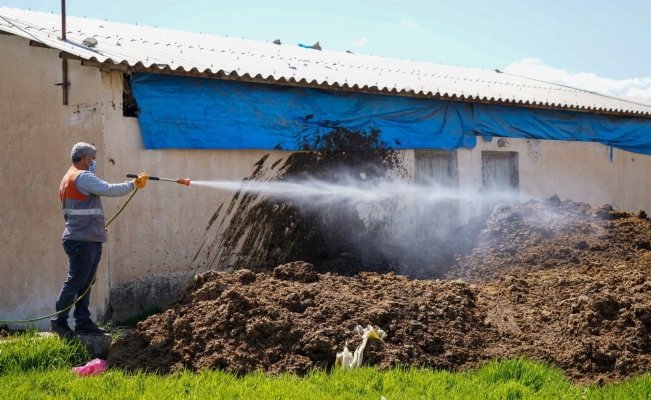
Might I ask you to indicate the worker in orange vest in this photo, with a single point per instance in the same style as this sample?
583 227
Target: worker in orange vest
80 192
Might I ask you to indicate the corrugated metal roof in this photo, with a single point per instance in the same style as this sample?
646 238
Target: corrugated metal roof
180 52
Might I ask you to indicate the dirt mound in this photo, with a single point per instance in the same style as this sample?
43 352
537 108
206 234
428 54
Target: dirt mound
550 234
592 321
557 281
294 319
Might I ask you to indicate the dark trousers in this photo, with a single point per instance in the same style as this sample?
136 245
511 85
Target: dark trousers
83 258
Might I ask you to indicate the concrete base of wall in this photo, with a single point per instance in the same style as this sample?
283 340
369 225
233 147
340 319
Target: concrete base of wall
132 298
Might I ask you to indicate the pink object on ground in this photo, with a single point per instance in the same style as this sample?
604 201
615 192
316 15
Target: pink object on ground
94 367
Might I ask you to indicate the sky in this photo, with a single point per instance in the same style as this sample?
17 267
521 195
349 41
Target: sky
592 44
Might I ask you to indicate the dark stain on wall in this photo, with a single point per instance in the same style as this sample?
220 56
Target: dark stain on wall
264 232
131 298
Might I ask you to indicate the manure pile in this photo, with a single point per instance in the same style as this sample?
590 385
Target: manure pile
554 280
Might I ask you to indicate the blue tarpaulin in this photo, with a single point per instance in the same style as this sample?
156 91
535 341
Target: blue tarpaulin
627 133
198 113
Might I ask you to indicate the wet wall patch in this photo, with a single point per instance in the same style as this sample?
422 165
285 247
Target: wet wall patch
258 232
131 298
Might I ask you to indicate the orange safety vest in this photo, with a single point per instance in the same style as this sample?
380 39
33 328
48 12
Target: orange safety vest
84 214
68 187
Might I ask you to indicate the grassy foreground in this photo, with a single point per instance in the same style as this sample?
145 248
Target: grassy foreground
33 368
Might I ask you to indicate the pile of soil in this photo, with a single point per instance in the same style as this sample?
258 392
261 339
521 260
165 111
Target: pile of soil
295 319
556 281
554 234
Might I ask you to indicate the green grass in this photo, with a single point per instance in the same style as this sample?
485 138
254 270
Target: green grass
33 368
30 352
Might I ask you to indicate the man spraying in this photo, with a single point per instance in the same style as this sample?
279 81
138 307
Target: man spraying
80 192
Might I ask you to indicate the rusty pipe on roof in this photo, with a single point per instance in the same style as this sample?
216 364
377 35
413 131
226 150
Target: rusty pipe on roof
63 20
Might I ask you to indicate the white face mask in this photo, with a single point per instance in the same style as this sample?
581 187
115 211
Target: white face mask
92 166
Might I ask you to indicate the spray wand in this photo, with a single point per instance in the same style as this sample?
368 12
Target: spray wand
185 181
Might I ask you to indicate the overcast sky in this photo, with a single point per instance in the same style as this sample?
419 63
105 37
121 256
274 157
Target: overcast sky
595 44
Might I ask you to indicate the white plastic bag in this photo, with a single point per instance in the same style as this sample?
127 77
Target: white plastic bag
349 360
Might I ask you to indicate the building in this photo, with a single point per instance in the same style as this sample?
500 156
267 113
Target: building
180 104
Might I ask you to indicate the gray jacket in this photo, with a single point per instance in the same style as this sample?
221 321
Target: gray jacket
80 193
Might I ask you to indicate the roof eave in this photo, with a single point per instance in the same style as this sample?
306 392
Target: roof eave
234 76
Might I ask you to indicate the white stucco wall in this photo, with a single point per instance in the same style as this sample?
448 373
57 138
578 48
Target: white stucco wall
36 135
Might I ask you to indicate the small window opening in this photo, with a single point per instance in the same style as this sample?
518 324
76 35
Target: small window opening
129 106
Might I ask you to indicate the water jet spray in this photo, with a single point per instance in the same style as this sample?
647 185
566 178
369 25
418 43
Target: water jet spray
185 181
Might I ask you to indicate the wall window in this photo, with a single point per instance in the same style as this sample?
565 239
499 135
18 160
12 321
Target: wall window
437 208
500 178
